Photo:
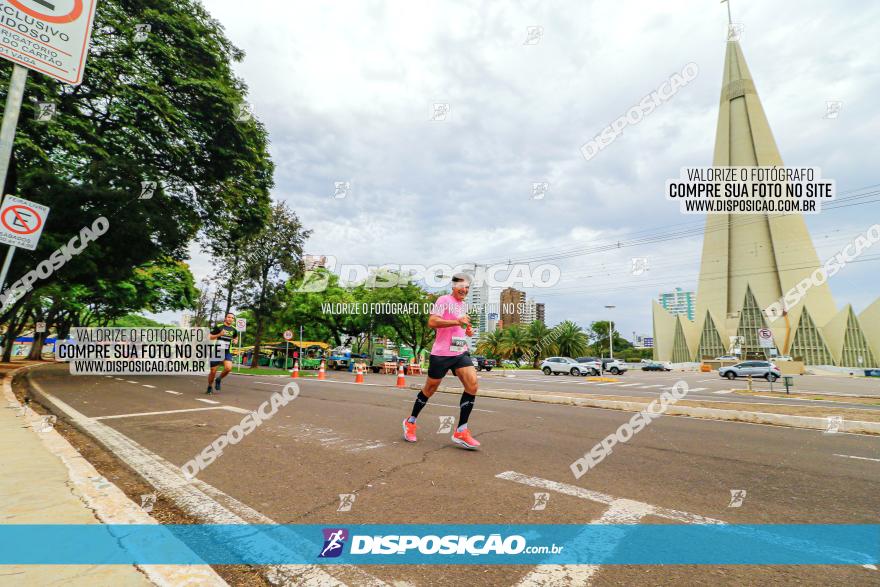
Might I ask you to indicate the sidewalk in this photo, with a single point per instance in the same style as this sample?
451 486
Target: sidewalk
45 481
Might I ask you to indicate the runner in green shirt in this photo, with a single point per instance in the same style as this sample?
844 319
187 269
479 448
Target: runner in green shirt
227 335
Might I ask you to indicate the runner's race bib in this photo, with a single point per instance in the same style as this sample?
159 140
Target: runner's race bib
458 344
223 344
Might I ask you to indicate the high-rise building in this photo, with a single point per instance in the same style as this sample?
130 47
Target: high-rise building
512 306
528 313
478 301
750 260
679 302
532 311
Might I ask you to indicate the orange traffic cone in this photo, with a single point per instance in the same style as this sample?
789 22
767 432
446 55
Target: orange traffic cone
401 376
321 374
295 373
359 373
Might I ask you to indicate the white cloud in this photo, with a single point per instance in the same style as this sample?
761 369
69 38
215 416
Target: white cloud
346 89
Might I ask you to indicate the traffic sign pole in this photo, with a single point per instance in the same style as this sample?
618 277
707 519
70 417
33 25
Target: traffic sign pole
10 118
7 138
6 263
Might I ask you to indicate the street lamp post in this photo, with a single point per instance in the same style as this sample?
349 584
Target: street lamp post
610 334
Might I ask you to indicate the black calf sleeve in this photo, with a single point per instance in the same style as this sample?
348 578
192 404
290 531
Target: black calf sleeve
466 404
421 402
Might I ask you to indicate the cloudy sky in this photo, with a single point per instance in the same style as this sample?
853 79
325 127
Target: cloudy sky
347 90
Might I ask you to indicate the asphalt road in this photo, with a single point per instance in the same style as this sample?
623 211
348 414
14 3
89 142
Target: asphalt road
341 438
705 387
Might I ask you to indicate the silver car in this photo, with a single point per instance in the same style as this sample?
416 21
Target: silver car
557 365
764 369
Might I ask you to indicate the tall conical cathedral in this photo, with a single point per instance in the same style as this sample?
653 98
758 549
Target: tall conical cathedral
751 260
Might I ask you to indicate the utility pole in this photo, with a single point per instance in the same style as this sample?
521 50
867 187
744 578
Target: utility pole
610 334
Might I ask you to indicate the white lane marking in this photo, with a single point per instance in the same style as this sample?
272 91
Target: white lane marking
723 392
207 401
118 379
652 386
630 384
706 380
575 491
609 383
136 414
127 381
193 497
621 511
150 386
173 392
448 406
855 457
696 389
626 507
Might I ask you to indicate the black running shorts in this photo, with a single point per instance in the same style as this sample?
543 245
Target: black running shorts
438 366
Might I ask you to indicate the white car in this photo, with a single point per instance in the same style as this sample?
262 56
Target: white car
557 365
614 366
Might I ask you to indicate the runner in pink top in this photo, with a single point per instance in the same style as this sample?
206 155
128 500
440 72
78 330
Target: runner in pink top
450 352
449 308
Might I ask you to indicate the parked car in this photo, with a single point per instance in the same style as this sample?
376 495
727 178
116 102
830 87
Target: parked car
557 365
614 366
595 365
483 363
657 366
764 369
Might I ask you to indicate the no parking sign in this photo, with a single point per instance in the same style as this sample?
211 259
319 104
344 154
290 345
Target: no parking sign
49 36
22 222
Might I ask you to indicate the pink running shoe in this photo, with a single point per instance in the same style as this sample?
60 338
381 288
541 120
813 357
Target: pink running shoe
465 439
409 431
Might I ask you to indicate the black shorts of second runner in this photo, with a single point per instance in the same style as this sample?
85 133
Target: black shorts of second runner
227 357
438 366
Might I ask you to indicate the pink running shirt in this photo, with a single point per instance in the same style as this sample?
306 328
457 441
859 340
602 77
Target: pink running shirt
450 341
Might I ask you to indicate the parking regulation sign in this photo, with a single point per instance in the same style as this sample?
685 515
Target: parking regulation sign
765 338
241 324
288 335
22 222
49 36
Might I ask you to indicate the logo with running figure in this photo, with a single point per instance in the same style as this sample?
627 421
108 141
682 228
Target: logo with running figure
334 542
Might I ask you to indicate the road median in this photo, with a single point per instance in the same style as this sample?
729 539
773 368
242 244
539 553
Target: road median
853 420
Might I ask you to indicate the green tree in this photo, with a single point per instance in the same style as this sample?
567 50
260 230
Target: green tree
491 344
158 286
165 110
571 340
271 257
311 301
541 340
515 342
599 334
410 327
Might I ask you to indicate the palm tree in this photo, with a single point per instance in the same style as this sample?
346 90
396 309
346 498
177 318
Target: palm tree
571 340
515 342
540 341
491 344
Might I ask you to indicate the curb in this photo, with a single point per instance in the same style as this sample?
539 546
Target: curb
109 504
808 422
